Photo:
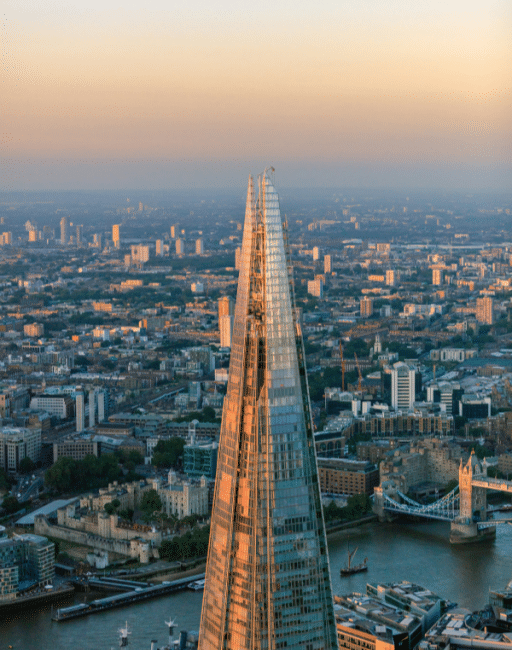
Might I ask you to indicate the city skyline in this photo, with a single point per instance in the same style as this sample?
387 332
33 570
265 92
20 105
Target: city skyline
382 94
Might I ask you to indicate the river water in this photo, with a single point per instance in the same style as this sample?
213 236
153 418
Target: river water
418 552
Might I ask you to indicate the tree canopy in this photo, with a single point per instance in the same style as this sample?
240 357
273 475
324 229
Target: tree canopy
150 503
11 504
206 415
358 505
190 545
168 453
69 475
27 465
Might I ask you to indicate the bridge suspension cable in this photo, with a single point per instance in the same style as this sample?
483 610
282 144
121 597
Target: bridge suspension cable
446 508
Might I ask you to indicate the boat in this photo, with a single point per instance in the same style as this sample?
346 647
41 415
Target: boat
197 585
186 640
123 636
350 569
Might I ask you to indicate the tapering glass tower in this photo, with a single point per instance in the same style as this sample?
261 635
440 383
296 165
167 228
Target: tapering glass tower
267 577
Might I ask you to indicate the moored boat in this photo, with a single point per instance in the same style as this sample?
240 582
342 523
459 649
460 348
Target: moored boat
350 569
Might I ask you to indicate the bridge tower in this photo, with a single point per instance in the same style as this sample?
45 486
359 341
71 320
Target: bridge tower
473 505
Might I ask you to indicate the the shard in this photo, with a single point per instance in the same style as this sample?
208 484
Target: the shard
267 577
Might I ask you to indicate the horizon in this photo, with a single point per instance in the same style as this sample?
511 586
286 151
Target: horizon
373 94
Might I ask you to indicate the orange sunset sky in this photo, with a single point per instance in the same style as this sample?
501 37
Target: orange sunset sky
396 93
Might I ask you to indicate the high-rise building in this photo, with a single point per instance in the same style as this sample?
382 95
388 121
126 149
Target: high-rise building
80 411
33 329
366 307
391 277
140 253
403 386
316 254
180 247
437 277
79 234
116 240
159 247
226 306
175 231
103 404
25 561
32 235
267 576
17 444
92 408
96 240
64 228
327 264
226 331
485 310
226 320
316 288
199 247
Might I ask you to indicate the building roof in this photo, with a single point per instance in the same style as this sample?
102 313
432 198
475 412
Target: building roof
48 509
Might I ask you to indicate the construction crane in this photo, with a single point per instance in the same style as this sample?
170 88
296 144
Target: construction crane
342 368
360 380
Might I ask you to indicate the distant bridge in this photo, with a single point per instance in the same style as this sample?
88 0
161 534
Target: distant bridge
446 509
465 506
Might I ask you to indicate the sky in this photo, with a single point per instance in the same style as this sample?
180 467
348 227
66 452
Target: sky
161 94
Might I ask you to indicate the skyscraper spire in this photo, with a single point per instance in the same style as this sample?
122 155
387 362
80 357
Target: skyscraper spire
267 576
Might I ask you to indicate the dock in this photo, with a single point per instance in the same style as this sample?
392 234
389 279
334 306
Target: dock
115 584
37 599
137 595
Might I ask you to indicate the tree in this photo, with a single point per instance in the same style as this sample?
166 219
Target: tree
135 457
126 513
154 364
11 504
482 452
170 550
206 415
168 453
359 346
68 475
358 505
111 507
192 544
353 440
61 475
150 503
27 465
332 512
5 480
451 485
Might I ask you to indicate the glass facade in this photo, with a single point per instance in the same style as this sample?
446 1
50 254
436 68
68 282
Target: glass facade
267 578
25 561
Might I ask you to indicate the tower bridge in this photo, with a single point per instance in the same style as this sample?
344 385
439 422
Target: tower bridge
465 506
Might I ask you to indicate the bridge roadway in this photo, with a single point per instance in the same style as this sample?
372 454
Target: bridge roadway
496 484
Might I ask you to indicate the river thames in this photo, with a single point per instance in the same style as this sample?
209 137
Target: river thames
418 552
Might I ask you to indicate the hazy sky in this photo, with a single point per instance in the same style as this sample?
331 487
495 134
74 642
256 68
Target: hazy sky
161 94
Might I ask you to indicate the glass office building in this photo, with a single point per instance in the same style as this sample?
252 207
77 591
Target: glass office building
267 577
